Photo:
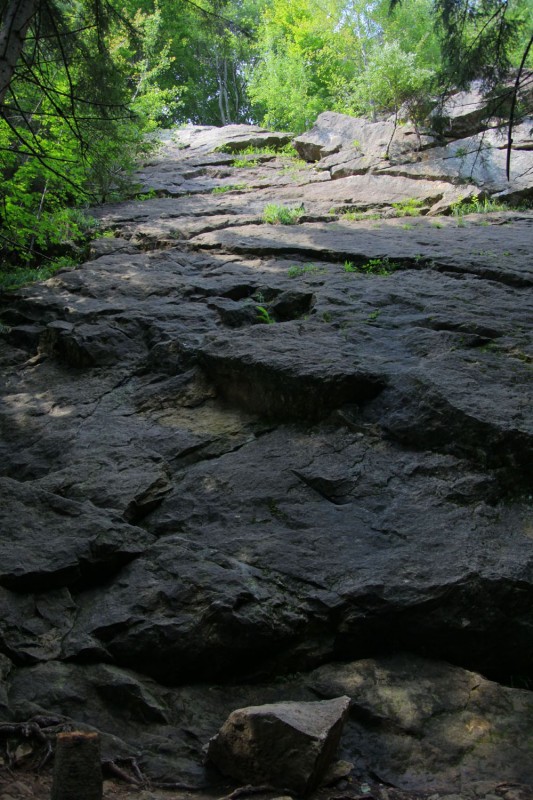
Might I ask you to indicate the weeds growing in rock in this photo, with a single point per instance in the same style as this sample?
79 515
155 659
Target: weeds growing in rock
477 206
245 162
284 150
274 214
357 216
149 195
295 164
264 316
375 266
408 208
307 269
230 187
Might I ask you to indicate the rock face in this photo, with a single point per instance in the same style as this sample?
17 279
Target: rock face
287 745
427 725
454 165
232 452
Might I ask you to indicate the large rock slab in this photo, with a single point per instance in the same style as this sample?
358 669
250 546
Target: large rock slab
203 497
414 369
423 725
333 132
475 158
233 137
445 246
49 541
178 165
288 745
472 110
481 160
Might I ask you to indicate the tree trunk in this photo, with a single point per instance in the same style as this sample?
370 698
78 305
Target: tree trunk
220 99
15 22
77 767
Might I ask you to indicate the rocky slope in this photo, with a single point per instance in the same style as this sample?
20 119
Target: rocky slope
244 463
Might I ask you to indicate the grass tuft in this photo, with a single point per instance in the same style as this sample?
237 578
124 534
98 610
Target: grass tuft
274 214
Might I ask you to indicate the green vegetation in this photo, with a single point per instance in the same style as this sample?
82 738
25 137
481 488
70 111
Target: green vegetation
285 150
358 216
263 315
83 84
248 156
293 167
245 162
150 195
307 269
274 214
73 119
408 208
230 187
477 206
375 266
380 266
15 277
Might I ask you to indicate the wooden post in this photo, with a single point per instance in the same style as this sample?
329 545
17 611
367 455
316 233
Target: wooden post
77 767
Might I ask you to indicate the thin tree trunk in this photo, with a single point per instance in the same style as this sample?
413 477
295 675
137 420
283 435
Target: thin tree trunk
38 217
15 22
226 98
516 90
220 98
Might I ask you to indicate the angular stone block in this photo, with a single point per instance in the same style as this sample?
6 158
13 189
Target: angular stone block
287 745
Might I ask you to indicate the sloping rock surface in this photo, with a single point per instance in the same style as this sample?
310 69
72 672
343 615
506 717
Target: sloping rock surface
232 452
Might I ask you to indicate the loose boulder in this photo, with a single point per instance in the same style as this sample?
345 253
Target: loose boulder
287 745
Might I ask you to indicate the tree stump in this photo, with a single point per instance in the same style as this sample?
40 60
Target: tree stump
77 767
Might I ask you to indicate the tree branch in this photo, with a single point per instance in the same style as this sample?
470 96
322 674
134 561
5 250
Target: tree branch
513 106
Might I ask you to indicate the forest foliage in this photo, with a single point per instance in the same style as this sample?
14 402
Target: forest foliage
94 77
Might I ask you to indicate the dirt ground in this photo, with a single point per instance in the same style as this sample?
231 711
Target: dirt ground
22 785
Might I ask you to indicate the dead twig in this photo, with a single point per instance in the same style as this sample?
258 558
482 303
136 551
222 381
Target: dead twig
112 767
246 791
184 787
